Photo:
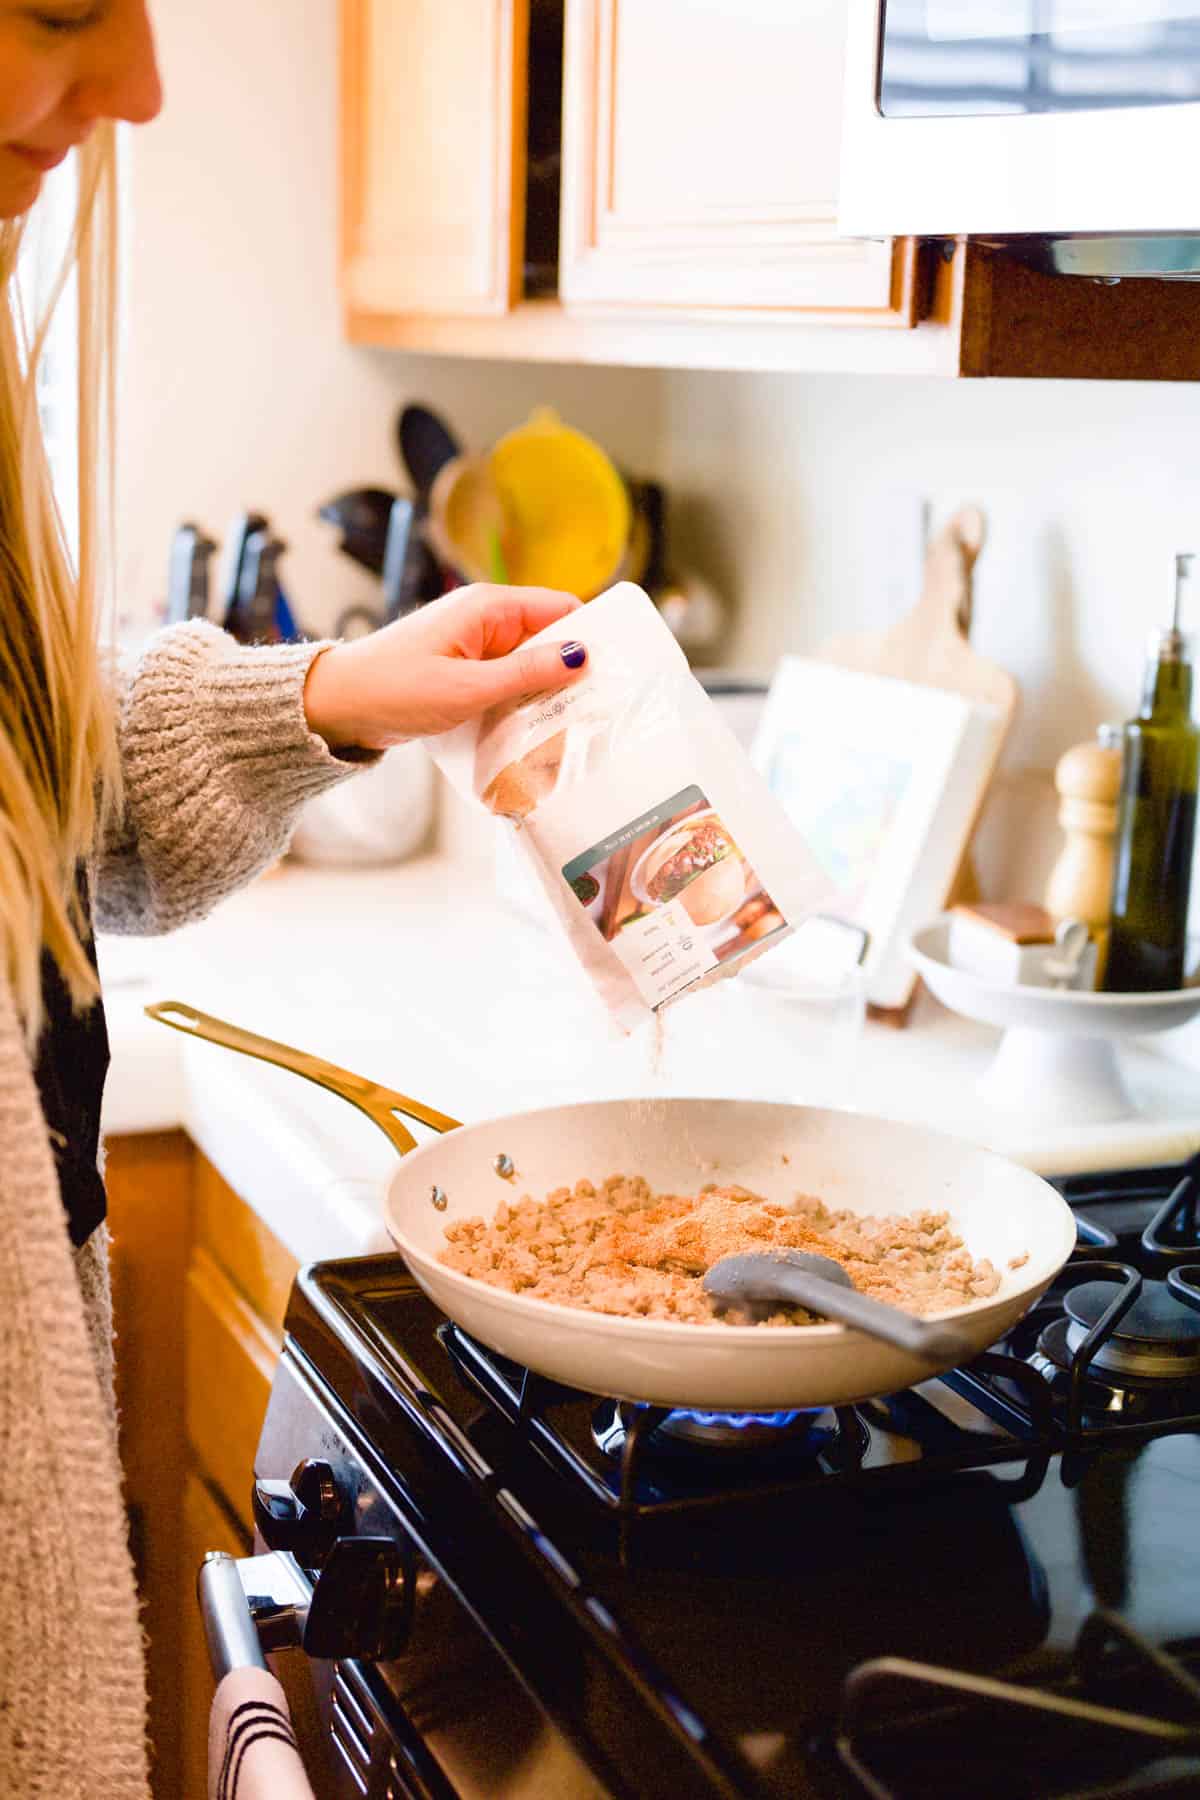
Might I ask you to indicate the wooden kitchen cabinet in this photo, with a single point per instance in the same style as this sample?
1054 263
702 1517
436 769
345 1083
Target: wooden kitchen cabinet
433 169
699 175
230 1359
200 1286
149 1181
700 142
701 145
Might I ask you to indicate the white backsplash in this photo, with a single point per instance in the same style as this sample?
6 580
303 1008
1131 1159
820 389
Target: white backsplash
801 496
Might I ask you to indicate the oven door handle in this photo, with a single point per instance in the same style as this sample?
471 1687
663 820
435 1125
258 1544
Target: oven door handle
360 1609
250 1605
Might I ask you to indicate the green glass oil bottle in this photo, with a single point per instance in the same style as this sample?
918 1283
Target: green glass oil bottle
1156 820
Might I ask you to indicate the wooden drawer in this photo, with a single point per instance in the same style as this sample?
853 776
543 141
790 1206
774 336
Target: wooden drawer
250 1255
230 1360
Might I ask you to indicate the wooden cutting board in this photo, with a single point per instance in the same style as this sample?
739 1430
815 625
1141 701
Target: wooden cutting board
930 647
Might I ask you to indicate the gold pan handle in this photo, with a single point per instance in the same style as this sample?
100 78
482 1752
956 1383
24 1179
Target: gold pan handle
382 1105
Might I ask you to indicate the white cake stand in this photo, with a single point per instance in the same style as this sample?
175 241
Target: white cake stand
1057 1060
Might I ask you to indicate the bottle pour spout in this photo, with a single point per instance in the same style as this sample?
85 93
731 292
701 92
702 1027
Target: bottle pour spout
1172 645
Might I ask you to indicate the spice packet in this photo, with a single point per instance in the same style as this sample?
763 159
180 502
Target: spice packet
662 851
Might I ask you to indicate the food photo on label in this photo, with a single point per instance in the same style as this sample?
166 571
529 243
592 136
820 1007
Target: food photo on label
679 862
700 862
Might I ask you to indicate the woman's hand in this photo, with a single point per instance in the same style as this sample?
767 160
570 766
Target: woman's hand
439 667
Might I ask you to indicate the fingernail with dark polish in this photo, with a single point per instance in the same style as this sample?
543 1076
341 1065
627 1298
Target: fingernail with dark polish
574 655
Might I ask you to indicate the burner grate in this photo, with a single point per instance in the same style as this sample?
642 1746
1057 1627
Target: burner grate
902 1723
637 1471
1096 1401
1054 1386
1172 1237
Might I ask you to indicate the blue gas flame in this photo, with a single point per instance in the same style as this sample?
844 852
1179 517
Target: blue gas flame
740 1421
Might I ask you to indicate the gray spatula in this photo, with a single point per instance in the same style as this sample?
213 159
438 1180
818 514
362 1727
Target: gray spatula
757 1281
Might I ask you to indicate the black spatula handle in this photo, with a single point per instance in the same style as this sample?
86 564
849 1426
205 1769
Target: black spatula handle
758 1276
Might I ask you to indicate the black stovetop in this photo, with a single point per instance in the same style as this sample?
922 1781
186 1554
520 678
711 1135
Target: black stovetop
815 1618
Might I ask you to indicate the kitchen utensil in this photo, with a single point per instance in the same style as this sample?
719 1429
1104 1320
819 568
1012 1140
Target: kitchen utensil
929 647
1002 1212
690 606
757 1281
637 551
1057 1058
244 527
566 506
187 581
426 445
255 617
468 521
363 517
404 557
402 575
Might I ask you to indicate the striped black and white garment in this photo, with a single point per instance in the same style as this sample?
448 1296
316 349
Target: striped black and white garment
252 1752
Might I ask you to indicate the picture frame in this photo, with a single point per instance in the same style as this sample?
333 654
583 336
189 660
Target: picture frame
883 779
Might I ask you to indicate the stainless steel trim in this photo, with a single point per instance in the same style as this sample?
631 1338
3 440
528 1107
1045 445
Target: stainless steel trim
348 1700
341 1727
1157 256
349 1764
248 1605
228 1627
1121 173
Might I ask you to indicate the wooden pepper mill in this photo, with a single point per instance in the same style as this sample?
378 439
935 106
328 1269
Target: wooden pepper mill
1088 779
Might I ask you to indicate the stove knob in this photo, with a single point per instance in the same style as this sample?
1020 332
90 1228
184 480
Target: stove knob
303 1515
362 1604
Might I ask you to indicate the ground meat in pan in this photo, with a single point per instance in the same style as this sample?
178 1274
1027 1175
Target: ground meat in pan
622 1249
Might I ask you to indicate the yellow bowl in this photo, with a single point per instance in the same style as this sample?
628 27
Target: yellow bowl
567 507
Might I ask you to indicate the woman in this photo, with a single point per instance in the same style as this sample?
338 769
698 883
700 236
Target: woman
143 800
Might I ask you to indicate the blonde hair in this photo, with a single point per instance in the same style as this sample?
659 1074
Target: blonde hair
58 765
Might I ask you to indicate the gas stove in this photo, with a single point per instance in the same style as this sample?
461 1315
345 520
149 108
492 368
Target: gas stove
989 1584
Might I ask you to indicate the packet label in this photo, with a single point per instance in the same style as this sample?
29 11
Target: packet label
664 954
671 892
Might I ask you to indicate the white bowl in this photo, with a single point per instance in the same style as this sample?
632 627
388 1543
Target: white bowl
1056 1061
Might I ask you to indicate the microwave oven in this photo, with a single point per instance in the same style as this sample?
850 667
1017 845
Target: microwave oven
1068 128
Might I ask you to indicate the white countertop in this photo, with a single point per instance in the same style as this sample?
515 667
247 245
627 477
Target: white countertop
418 977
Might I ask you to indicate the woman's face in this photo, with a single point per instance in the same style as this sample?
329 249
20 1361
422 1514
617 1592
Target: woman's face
66 65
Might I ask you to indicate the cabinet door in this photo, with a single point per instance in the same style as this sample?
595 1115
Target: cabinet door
701 143
433 154
149 1181
230 1363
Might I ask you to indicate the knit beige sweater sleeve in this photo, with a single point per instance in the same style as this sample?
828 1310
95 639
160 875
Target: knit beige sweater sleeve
72 1695
217 760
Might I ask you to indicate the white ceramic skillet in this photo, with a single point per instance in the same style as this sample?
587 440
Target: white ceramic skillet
1001 1211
